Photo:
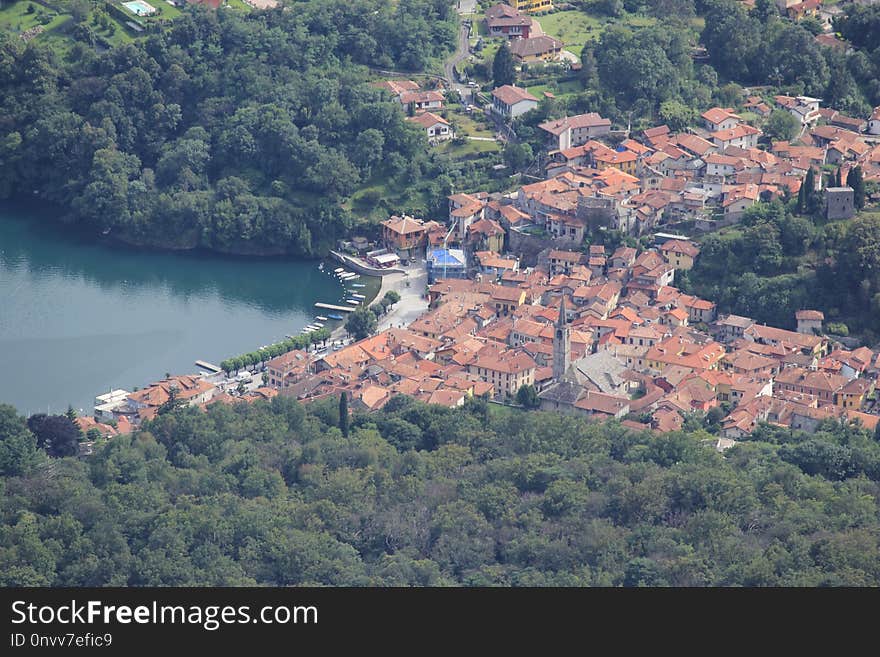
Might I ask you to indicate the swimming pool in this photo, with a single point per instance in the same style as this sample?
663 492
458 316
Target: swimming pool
139 7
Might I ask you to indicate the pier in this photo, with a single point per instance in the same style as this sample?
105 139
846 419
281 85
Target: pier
205 365
330 306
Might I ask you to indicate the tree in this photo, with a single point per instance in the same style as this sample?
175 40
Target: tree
18 446
343 414
807 202
527 397
518 156
392 297
676 115
855 180
173 402
361 323
55 434
782 126
503 68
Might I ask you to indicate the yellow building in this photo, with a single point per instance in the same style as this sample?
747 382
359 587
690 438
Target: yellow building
531 6
680 254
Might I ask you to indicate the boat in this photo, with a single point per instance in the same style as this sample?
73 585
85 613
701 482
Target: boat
320 318
318 324
320 266
357 296
358 285
350 277
334 316
353 302
339 270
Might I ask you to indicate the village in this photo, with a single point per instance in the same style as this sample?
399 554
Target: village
524 307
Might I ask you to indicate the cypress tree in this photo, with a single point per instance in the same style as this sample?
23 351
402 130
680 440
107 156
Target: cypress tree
855 180
809 187
801 201
343 414
503 68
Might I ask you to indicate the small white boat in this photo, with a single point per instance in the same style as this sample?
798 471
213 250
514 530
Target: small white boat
318 324
350 277
320 318
358 285
339 270
358 296
353 302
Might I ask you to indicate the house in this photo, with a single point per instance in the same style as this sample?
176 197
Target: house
598 404
572 131
464 209
852 396
421 101
405 235
532 6
716 119
738 198
536 49
189 389
809 322
507 370
286 369
436 127
677 350
511 101
562 262
822 385
680 253
732 327
742 136
491 264
803 108
397 87
485 234
874 122
506 299
504 21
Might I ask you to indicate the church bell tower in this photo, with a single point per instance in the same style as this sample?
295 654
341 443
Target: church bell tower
561 344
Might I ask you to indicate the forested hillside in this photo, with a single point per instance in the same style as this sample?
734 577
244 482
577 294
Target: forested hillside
237 132
272 493
777 263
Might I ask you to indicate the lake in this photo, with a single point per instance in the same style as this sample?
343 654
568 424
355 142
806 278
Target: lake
78 318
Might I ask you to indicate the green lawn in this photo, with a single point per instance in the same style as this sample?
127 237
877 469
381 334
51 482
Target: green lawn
470 147
467 125
14 18
556 88
574 28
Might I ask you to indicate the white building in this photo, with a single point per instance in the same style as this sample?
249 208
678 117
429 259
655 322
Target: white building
511 101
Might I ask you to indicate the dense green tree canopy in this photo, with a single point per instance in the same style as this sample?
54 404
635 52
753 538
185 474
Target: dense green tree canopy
423 495
233 131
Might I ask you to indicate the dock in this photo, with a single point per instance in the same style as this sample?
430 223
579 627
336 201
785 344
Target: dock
330 306
208 366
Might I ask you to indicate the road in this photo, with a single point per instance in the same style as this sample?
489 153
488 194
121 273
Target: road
459 55
467 6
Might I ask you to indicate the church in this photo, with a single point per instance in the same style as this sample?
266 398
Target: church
592 385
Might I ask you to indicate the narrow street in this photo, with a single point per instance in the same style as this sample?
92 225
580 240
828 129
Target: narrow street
458 56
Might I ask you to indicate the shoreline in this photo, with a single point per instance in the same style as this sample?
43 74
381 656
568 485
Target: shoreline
410 285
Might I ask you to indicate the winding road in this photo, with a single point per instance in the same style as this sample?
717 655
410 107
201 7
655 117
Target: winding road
461 53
